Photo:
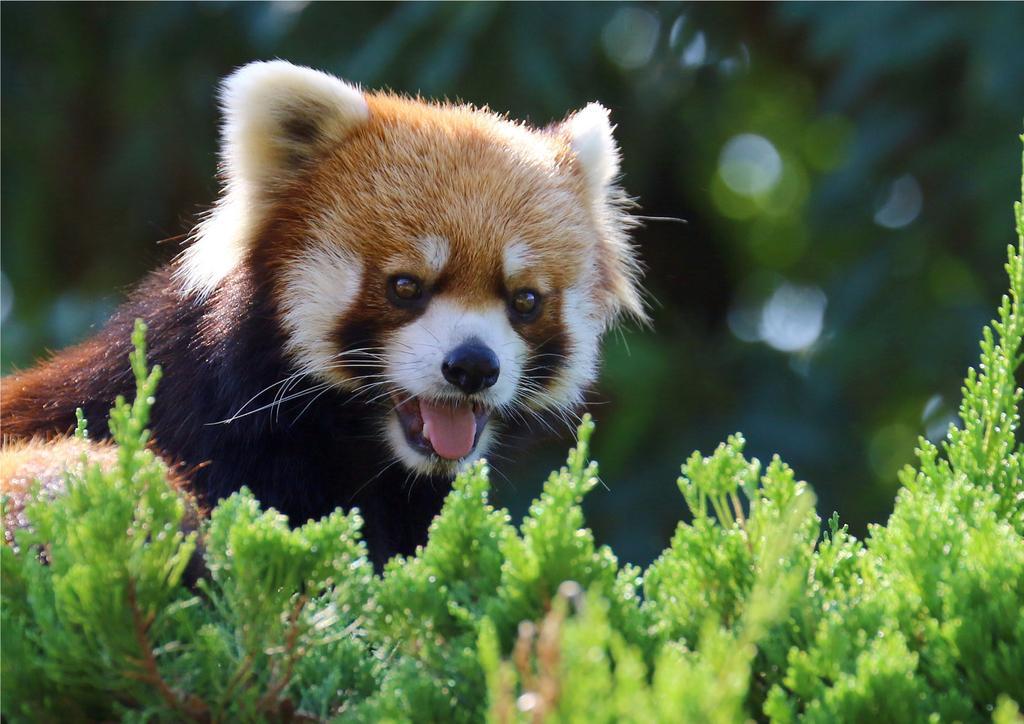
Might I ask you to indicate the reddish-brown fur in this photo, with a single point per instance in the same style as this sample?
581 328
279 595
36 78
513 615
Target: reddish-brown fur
410 170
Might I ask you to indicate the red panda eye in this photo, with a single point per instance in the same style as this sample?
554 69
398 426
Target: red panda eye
406 288
526 303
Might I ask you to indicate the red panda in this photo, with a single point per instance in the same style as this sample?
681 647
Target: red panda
382 281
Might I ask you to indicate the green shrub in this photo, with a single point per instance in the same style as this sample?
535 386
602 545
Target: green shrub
749 613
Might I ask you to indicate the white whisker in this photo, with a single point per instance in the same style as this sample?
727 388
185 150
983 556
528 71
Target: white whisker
308 391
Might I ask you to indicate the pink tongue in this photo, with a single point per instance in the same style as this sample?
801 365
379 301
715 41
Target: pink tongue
450 430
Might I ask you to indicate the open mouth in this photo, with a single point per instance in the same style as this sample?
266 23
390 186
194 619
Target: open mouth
447 429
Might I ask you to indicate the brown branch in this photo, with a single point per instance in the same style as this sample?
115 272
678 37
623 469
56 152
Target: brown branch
521 653
192 707
549 657
269 701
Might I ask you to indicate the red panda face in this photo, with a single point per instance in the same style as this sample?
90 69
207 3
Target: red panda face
440 262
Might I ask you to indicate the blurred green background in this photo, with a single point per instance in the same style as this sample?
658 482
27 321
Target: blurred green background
846 173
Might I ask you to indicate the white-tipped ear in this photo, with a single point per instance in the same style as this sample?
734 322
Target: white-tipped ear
277 115
277 118
596 157
590 137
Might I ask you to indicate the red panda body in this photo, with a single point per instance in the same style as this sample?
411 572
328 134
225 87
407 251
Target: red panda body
382 282
304 465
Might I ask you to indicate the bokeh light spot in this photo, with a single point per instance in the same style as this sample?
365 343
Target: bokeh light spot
902 203
750 165
931 407
289 7
745 323
675 33
736 63
793 317
630 37
787 196
937 416
695 52
729 203
889 449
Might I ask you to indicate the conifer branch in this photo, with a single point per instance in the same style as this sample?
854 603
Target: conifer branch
269 702
192 708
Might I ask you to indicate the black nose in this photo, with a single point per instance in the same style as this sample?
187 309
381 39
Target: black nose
471 367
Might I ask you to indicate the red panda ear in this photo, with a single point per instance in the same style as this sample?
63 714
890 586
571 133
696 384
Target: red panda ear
594 148
596 157
277 115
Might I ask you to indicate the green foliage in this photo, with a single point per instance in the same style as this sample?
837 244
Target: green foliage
868 106
747 614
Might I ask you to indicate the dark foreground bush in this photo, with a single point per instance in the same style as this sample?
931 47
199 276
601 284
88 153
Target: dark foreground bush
750 612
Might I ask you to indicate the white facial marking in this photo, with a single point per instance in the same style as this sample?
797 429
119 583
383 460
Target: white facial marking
402 450
517 258
584 325
319 286
435 251
417 350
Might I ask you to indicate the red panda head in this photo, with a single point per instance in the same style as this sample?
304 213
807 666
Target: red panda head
439 260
